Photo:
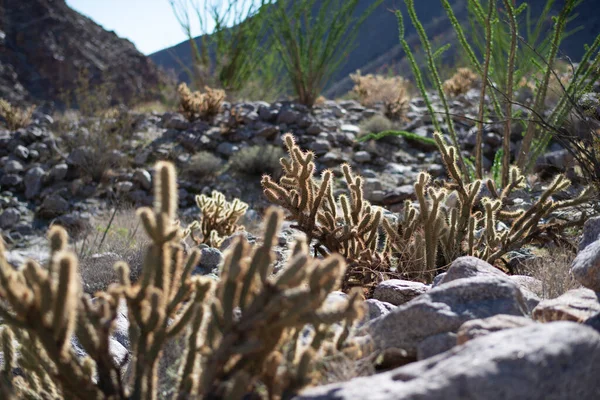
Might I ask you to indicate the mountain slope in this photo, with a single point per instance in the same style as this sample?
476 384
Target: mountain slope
378 47
44 45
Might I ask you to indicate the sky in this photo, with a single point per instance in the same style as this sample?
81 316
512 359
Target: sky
150 24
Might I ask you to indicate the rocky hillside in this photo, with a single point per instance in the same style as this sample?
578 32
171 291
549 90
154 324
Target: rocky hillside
378 48
44 45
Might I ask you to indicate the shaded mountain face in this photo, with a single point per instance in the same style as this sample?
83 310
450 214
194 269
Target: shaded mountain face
44 45
378 48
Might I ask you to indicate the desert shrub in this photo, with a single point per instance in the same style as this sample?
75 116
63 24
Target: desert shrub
391 92
197 105
15 117
241 334
218 219
257 160
376 124
312 46
202 165
552 268
115 237
461 82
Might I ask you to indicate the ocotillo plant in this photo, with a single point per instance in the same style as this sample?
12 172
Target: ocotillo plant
241 332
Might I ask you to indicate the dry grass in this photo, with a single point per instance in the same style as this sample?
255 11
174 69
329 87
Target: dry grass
460 83
552 269
376 124
203 165
116 237
257 161
197 105
15 117
392 92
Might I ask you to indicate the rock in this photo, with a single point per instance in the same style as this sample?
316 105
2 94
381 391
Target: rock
591 232
287 117
124 187
12 167
481 327
9 218
227 148
575 305
444 309
175 121
210 260
80 156
320 146
53 206
398 291
539 362
362 156
436 344
33 182
400 194
143 177
11 180
21 152
467 266
58 172
586 266
350 129
376 309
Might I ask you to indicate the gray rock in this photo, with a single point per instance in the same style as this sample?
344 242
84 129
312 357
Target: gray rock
33 182
175 121
21 152
80 156
398 291
13 167
540 362
210 260
586 266
362 156
400 194
376 309
437 279
481 327
53 206
124 187
9 218
58 172
436 344
227 148
444 309
143 177
467 266
11 180
287 117
350 128
320 146
575 305
591 232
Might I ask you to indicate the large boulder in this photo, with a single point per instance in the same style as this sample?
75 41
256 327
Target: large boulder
552 361
444 309
575 305
586 266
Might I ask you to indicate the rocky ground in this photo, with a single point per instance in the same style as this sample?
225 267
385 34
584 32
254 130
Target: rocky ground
475 333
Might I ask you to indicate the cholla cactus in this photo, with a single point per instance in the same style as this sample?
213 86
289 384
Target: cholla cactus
348 226
198 105
218 219
236 329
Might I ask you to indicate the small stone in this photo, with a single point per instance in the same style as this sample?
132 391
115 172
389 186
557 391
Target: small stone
124 187
398 291
591 232
21 152
33 182
143 177
210 260
58 172
53 206
13 167
586 266
227 148
481 327
9 218
362 156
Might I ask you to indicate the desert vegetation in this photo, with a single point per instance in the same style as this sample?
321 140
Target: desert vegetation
234 248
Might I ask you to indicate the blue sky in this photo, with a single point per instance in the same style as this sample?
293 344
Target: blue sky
149 24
